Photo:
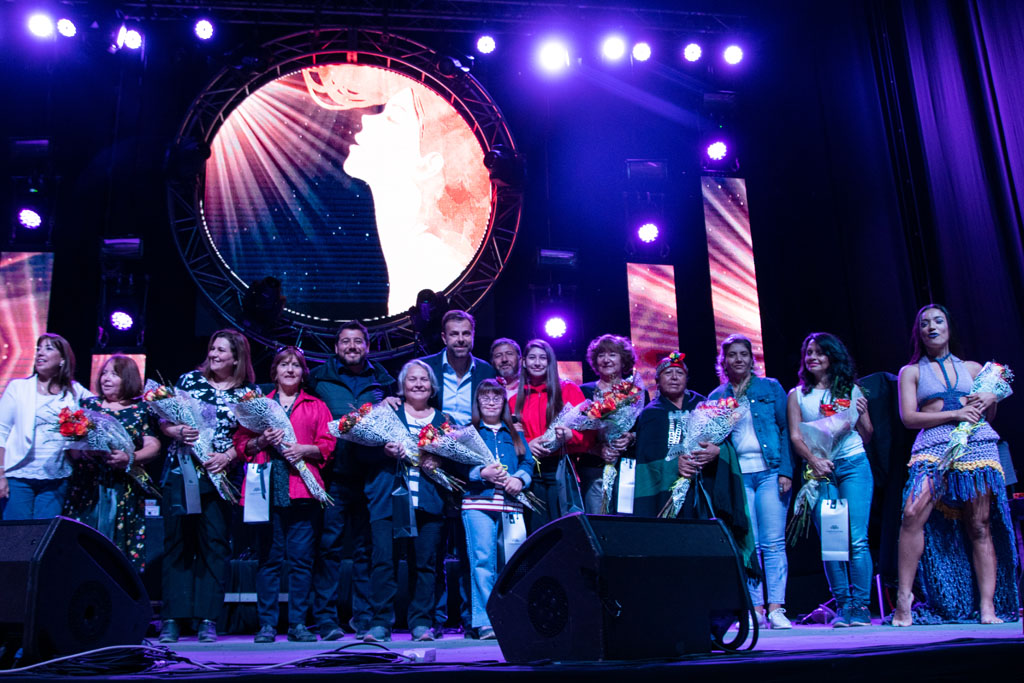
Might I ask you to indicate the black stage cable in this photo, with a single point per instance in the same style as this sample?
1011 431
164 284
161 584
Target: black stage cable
113 660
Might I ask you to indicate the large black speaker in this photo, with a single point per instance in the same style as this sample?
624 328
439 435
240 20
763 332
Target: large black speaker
66 589
593 587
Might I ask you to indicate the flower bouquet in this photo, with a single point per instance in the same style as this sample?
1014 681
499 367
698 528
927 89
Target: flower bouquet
570 417
709 422
376 425
91 430
821 437
465 445
617 411
994 378
257 414
177 406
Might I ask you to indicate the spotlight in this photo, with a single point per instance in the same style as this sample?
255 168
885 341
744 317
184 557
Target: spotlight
121 320
555 327
717 150
506 166
647 233
692 52
485 45
204 29
40 25
554 56
129 38
30 218
613 48
641 52
733 54
66 28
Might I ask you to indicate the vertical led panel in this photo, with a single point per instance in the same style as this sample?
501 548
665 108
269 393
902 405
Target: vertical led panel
731 256
571 371
25 278
98 359
653 318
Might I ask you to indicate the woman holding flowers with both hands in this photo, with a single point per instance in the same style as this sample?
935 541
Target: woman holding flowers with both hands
103 491
293 509
196 515
937 393
761 441
827 386
490 494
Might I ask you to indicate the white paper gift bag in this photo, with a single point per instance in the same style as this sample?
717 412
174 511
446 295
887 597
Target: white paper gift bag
257 494
627 486
513 532
835 530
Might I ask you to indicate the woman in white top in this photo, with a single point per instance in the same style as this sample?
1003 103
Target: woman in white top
828 385
34 474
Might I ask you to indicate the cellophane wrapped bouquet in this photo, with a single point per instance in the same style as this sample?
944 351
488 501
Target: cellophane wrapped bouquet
616 412
994 378
91 430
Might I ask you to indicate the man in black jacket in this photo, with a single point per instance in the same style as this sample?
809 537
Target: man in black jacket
345 382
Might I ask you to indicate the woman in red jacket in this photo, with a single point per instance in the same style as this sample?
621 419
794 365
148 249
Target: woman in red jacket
293 510
540 398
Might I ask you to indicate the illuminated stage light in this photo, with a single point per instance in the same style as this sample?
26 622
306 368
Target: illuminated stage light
121 320
132 39
733 54
648 232
554 56
485 45
66 28
613 48
555 327
692 52
717 150
204 29
642 52
30 218
40 25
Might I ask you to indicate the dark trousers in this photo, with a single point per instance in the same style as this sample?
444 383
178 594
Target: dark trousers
453 539
349 513
289 536
556 485
196 555
421 558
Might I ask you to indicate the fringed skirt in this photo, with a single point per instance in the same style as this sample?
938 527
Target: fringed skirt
945 579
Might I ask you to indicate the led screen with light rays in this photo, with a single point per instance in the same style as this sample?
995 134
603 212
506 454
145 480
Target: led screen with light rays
354 185
25 278
653 317
98 359
731 256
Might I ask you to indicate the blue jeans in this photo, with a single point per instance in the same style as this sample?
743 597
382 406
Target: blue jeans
850 582
767 510
35 498
482 547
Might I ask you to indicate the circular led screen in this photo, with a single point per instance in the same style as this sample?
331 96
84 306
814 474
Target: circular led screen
355 185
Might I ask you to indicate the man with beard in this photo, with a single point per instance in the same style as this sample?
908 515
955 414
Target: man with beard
345 382
505 357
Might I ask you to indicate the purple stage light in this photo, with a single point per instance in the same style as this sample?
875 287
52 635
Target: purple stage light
485 45
554 56
642 52
204 29
692 52
555 327
121 320
648 232
733 54
30 218
717 151
132 39
40 25
66 28
613 48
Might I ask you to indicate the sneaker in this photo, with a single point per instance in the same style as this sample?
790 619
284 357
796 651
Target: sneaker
470 633
377 634
840 620
860 616
777 619
266 634
169 631
330 631
359 628
422 633
207 631
487 633
300 634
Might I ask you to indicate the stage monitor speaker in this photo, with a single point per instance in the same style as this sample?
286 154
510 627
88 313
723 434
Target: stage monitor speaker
594 587
66 589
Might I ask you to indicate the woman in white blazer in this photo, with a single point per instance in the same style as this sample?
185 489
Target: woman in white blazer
34 476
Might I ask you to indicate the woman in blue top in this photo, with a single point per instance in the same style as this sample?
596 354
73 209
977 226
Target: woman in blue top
489 494
827 384
761 440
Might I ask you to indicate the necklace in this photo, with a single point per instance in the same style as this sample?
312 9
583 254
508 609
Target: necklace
942 366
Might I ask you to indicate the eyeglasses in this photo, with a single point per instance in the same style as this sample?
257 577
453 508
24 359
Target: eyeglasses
492 400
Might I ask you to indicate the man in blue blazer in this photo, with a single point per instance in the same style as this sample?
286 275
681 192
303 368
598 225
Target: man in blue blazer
458 371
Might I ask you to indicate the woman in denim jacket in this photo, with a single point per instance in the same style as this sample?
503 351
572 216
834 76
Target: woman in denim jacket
761 440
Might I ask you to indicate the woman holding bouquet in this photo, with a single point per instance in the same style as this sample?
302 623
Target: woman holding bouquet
489 494
293 509
416 512
936 394
541 396
33 470
761 441
103 492
196 516
828 386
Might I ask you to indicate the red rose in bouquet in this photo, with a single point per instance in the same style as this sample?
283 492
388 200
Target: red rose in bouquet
73 423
